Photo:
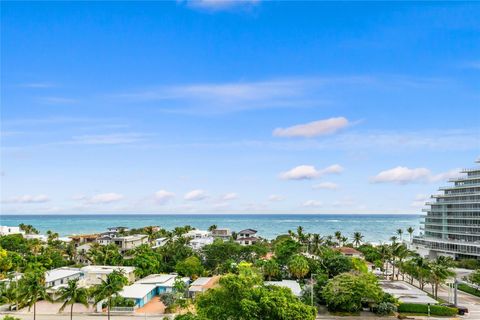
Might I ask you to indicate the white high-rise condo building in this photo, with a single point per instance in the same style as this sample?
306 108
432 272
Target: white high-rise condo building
452 223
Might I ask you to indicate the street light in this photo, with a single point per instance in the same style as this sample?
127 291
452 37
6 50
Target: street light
311 287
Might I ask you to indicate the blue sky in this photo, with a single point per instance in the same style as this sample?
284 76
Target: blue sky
213 106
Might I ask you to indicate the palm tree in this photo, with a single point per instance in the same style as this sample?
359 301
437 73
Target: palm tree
109 288
338 236
393 239
440 270
72 294
9 294
270 268
357 238
32 289
400 233
150 231
410 231
298 266
212 227
344 240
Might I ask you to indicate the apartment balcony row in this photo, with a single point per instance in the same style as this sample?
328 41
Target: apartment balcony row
469 233
454 187
470 170
456 225
447 241
445 210
450 195
463 179
475 201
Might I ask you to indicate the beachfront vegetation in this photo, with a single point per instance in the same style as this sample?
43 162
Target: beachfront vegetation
435 310
328 277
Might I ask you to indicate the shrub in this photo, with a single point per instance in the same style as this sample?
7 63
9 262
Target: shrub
466 288
385 308
10 318
468 264
435 310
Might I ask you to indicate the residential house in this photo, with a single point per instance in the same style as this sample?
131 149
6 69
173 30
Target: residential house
350 252
202 284
143 290
247 237
118 229
78 240
95 274
125 243
293 285
6 230
222 233
160 242
197 234
59 277
199 243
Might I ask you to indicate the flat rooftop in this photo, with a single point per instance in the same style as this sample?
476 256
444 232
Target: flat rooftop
406 293
61 273
107 269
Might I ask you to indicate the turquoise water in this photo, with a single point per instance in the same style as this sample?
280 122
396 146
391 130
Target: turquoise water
375 228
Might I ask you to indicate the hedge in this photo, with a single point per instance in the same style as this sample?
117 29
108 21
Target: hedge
466 288
435 310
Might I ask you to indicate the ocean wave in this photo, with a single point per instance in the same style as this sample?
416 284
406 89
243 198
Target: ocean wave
332 220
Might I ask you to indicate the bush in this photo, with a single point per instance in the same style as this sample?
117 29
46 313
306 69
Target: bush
10 318
468 264
384 308
466 288
187 316
435 310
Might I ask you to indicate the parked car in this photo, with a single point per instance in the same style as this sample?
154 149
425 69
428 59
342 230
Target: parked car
461 310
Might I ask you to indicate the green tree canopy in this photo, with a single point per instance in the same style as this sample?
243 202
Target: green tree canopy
347 291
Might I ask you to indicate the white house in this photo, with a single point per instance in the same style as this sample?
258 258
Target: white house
199 243
290 284
160 242
197 234
125 243
95 274
57 277
6 230
247 237
222 233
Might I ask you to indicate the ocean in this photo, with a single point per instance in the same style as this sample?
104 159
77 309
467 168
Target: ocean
375 227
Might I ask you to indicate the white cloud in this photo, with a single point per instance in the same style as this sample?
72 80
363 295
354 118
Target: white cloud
404 175
419 200
307 172
216 5
454 173
106 198
229 196
326 185
231 96
57 100
313 129
312 204
195 195
163 196
29 199
38 85
116 138
275 198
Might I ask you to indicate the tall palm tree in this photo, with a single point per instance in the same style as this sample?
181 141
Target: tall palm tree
410 231
109 288
212 227
72 294
393 239
270 268
338 236
400 233
440 270
9 294
357 238
150 231
32 289
298 266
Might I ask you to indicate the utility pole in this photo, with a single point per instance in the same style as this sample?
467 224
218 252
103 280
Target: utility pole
455 287
311 287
